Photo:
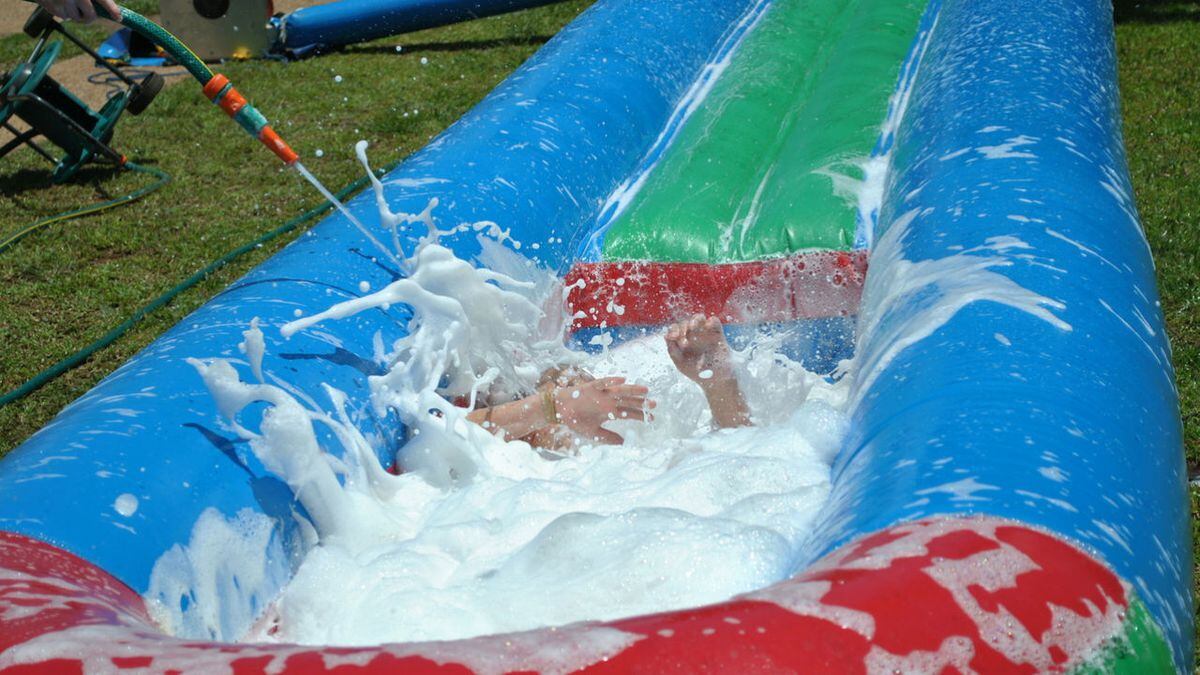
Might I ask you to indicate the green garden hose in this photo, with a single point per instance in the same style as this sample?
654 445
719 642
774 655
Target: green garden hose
113 335
217 87
221 92
163 179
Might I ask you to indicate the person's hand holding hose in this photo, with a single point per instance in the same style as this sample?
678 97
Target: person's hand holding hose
79 10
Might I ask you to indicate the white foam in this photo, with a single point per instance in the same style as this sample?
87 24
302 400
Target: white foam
906 301
483 536
126 504
216 586
676 517
1008 149
253 346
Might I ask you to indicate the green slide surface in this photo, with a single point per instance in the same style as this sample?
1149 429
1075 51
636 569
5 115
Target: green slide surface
751 174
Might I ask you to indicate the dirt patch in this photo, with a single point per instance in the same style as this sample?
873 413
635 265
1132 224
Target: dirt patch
13 14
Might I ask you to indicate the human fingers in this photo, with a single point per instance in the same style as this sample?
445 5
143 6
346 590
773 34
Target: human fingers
681 329
602 435
635 414
673 348
636 409
628 391
111 7
87 13
638 403
675 352
631 405
72 10
606 382
63 9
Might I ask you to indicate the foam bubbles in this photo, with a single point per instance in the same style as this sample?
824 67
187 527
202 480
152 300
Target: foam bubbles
126 505
483 536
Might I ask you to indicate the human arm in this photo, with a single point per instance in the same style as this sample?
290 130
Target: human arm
698 348
583 408
516 419
79 10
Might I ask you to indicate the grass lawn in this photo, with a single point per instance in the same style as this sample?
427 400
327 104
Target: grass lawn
67 286
1158 50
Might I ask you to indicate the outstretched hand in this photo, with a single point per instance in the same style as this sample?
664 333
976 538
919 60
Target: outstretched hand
699 350
79 10
585 407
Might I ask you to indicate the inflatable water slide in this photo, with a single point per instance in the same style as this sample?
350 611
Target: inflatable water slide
930 197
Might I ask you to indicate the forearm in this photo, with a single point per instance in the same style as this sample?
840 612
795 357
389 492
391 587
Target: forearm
728 405
517 419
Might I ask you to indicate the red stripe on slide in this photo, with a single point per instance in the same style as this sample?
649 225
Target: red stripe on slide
944 595
44 589
805 286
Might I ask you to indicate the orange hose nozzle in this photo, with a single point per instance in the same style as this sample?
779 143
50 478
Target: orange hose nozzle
278 146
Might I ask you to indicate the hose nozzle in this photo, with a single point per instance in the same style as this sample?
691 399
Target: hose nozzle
220 91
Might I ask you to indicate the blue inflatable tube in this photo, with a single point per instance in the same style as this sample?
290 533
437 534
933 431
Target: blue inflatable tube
1011 493
567 127
351 21
1013 130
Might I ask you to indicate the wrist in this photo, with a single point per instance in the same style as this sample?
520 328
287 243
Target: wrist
550 405
717 373
719 385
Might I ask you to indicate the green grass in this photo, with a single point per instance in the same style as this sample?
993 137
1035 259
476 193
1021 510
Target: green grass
1158 51
66 286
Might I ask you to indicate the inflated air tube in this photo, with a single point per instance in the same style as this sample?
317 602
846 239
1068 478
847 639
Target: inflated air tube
1010 497
352 21
1011 150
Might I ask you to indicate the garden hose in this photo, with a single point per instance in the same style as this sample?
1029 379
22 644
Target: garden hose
163 179
217 87
113 335
220 91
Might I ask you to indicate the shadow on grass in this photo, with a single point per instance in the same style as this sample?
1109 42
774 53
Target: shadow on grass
1155 11
26 182
459 46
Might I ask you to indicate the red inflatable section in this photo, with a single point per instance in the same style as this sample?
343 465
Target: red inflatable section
806 286
945 595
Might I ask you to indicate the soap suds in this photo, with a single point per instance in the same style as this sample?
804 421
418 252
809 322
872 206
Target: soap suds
480 536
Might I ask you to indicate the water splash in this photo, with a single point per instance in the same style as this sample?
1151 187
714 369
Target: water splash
480 535
346 212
